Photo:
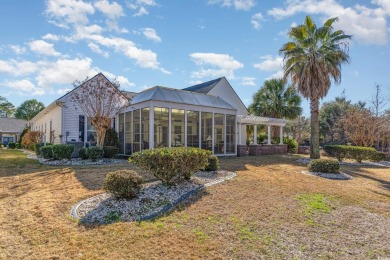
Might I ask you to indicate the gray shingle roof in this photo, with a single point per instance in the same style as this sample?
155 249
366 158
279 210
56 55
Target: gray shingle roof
180 96
203 87
12 125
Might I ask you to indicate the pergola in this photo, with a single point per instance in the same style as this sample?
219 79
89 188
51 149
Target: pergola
258 120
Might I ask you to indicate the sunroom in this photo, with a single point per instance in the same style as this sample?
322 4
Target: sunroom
165 117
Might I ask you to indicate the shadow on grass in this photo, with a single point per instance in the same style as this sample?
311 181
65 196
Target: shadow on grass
178 205
358 172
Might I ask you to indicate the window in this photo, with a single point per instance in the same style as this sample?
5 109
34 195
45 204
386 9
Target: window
207 128
137 129
219 137
145 128
192 128
91 133
129 132
121 133
161 126
230 133
81 128
177 137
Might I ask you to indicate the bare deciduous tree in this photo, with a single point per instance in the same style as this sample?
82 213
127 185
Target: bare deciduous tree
298 129
377 101
100 100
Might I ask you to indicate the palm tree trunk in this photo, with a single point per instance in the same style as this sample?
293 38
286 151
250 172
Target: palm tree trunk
314 129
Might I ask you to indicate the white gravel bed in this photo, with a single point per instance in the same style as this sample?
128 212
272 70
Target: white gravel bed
78 161
153 200
333 176
381 164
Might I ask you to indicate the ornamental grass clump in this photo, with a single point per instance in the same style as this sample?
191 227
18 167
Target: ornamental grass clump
171 165
123 184
324 166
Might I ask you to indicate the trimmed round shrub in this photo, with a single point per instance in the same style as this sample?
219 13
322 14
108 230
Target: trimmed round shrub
325 166
46 152
123 183
171 165
62 151
213 164
292 145
376 156
11 145
95 153
110 151
83 153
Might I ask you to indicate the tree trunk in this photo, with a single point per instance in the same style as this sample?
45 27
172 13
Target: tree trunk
314 129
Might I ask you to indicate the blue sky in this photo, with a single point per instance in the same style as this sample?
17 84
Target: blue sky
46 45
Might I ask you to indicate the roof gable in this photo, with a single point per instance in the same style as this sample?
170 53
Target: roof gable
203 87
12 125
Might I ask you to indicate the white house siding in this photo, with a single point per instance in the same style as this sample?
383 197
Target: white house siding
71 113
43 124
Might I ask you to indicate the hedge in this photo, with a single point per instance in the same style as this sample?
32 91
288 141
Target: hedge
325 166
11 145
171 165
357 153
47 152
62 151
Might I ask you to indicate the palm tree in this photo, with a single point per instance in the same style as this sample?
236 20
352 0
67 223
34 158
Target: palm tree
312 58
276 99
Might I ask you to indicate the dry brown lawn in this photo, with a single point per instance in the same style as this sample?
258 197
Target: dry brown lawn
269 211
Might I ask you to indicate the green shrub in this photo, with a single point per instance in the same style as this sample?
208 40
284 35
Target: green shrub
111 138
324 165
338 151
37 149
213 164
95 153
62 151
11 145
47 152
110 151
123 183
18 146
292 145
376 156
171 165
83 153
360 153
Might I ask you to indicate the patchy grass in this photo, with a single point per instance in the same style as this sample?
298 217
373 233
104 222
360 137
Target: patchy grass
262 213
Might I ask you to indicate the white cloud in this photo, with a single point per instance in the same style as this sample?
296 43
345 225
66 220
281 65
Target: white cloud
112 11
256 20
269 63
248 81
141 5
63 91
66 12
17 68
222 65
96 49
277 75
51 37
369 25
17 49
42 47
124 82
151 34
238 4
24 87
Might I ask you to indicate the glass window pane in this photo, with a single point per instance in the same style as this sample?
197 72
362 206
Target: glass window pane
145 128
207 126
121 133
161 127
192 128
136 133
129 133
230 133
219 136
177 125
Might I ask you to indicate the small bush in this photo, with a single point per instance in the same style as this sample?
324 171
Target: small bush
111 138
83 153
324 165
62 151
37 149
95 153
360 153
123 183
11 145
47 152
376 156
292 145
110 151
213 164
17 146
171 165
338 151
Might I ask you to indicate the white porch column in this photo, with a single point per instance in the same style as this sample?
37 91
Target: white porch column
281 135
269 135
170 127
151 127
255 134
239 134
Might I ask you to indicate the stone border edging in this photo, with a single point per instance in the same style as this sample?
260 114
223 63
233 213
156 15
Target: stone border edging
231 175
332 176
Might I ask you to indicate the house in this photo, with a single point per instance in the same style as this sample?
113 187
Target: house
10 129
209 116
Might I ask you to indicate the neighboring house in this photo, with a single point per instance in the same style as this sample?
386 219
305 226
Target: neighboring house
10 129
209 116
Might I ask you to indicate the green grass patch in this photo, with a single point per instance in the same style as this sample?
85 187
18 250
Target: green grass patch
314 203
200 235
